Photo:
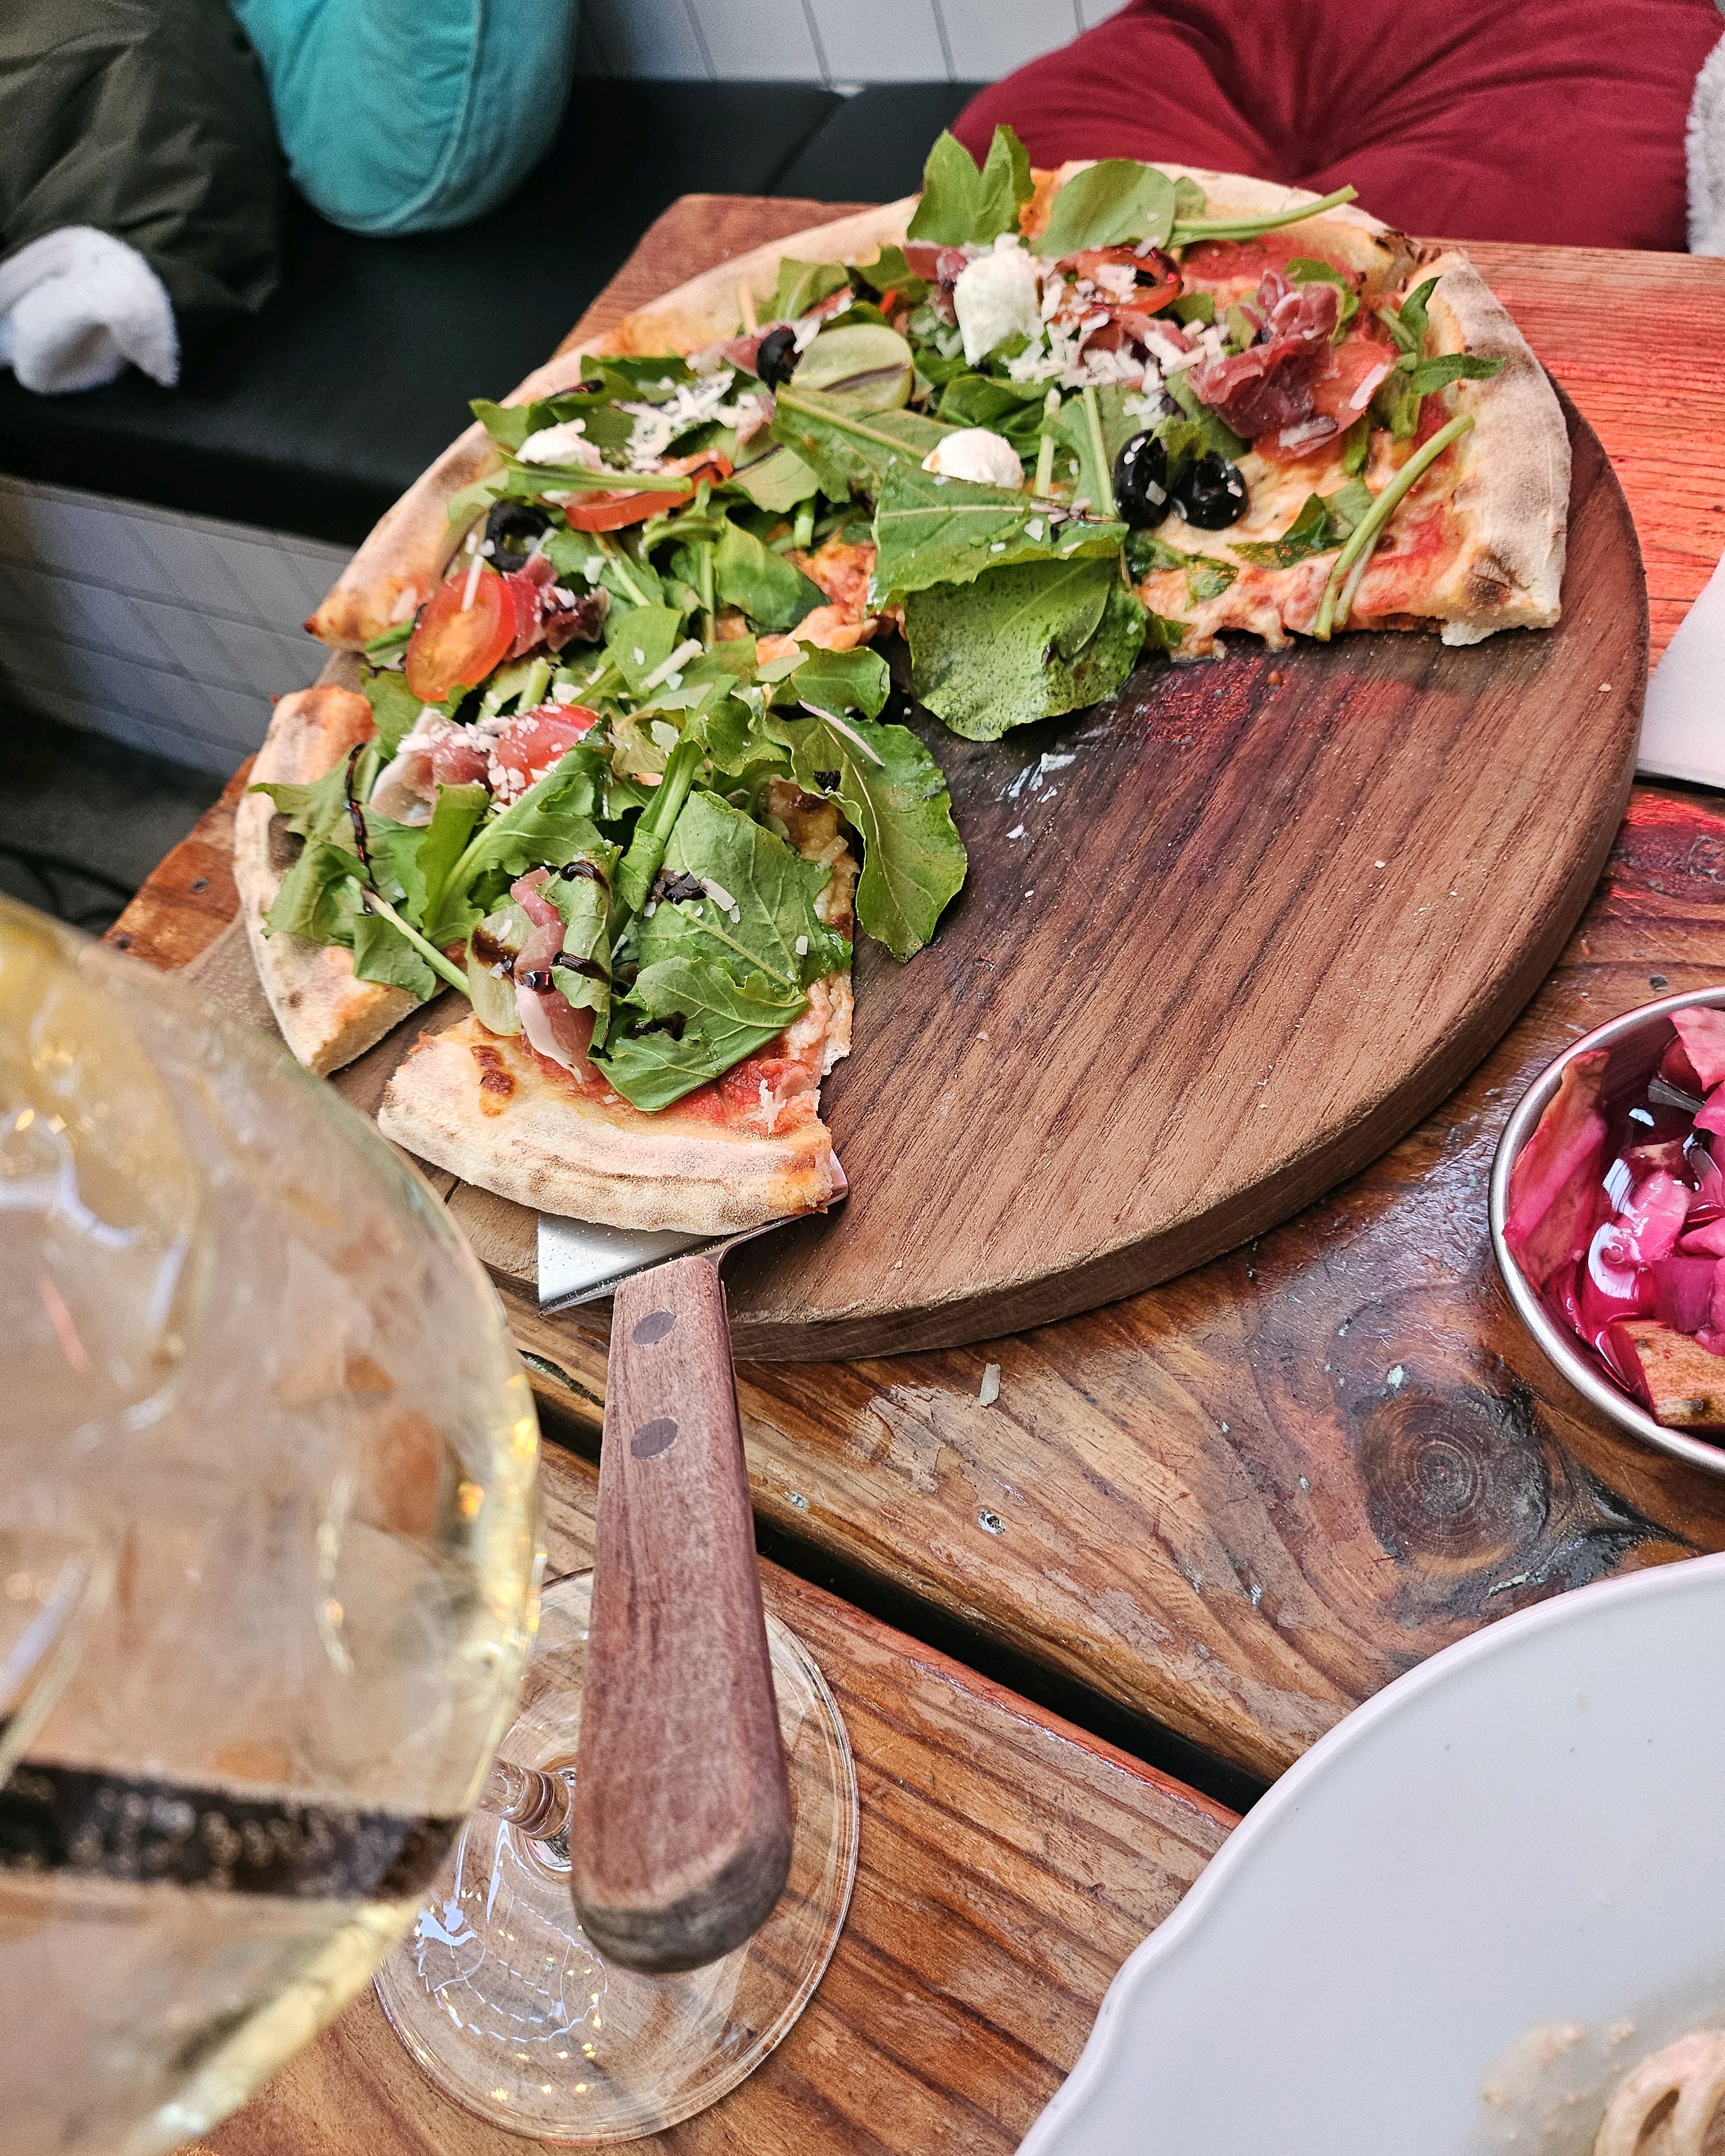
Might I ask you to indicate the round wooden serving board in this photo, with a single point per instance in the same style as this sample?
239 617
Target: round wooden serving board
1223 941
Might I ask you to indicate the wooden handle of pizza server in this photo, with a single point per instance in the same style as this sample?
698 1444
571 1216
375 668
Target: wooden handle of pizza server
680 1833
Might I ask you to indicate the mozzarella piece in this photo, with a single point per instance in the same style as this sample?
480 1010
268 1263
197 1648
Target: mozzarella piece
561 445
979 454
996 297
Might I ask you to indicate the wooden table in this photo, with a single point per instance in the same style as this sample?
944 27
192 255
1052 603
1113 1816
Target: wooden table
1232 1507
1008 1865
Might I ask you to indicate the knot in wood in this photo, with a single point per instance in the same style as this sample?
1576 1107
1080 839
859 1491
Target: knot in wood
1455 1475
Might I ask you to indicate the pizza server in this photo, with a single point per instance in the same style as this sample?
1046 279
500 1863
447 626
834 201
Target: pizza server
680 1834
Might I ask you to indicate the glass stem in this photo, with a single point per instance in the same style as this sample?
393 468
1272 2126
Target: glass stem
538 1804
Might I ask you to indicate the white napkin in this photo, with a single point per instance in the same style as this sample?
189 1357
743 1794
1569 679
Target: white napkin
1683 728
76 305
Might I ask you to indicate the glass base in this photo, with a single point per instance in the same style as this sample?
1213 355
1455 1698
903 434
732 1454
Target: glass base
503 2002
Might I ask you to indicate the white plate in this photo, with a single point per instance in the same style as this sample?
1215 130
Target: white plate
1520 1844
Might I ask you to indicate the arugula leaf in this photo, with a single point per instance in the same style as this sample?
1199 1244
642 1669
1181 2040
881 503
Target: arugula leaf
1107 204
1309 270
1190 231
640 639
1207 577
684 1023
1307 534
1426 375
395 708
1071 426
549 824
508 425
864 366
387 642
772 888
641 862
851 451
594 557
1347 505
773 476
1414 320
1022 643
316 809
890 272
617 374
1396 404
422 856
929 530
894 796
1397 399
839 681
1190 201
733 984
1216 435
382 953
1356 445
1323 522
584 901
1167 635
1011 408
960 204
315 900
803 284
737 744
1194 306
769 589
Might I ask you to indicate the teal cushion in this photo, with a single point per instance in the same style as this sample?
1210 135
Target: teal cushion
412 116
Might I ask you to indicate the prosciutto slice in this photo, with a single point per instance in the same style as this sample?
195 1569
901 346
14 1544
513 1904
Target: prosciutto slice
1268 386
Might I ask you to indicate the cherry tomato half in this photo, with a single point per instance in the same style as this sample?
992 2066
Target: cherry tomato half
612 510
454 642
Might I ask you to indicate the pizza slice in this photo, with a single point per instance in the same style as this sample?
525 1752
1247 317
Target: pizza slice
618 648
327 1014
503 1105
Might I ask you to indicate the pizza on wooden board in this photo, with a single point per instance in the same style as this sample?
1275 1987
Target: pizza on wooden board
623 728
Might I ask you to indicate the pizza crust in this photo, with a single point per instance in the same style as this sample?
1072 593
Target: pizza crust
480 1104
1513 498
326 1015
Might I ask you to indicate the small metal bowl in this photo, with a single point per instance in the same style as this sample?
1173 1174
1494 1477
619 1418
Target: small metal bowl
1636 1041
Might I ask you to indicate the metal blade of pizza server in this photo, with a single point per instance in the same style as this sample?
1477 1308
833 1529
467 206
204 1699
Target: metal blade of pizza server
580 1261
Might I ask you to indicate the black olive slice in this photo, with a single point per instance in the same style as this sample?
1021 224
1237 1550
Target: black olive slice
1141 484
776 356
1211 493
511 527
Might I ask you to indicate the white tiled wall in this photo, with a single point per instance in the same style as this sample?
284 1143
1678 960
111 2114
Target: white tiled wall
834 41
168 631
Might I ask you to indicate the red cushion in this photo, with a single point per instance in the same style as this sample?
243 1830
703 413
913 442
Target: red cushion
1551 120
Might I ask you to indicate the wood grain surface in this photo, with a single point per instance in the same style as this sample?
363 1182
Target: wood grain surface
681 1837
1008 1865
1243 1501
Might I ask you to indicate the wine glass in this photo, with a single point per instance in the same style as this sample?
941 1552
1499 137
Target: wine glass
268 1550
506 2004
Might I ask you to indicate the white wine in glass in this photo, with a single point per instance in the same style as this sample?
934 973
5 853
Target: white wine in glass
268 1550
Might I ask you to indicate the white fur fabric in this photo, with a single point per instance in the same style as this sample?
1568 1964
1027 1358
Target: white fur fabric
76 305
1707 156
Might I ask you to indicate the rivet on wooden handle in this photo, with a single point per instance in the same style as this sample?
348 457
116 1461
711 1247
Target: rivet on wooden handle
681 1838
